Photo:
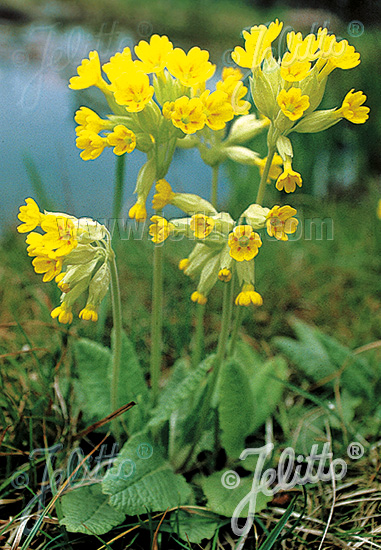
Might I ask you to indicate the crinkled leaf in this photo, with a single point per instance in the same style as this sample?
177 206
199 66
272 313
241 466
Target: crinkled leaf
224 501
142 480
86 510
195 525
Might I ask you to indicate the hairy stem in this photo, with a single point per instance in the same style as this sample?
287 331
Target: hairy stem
156 321
263 182
117 340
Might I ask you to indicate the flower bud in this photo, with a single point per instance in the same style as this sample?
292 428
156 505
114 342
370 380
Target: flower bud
245 128
263 94
242 155
90 230
284 147
256 216
192 204
146 178
99 285
317 122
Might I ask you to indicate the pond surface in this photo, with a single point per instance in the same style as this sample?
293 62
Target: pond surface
37 122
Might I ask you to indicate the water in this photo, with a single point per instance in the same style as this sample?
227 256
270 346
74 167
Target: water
37 119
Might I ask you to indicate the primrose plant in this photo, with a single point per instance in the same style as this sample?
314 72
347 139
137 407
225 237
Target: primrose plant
159 100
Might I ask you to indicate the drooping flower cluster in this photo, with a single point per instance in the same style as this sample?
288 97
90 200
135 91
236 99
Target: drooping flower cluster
158 99
74 252
289 91
222 246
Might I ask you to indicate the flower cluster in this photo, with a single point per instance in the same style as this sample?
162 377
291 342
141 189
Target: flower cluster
158 99
74 252
289 91
223 247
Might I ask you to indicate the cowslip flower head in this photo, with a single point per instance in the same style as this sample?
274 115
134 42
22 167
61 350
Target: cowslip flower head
190 69
217 109
44 265
30 215
89 313
199 298
154 54
293 103
163 195
122 139
280 222
201 225
225 275
89 74
89 120
91 143
235 91
132 89
292 70
138 212
257 45
61 235
289 179
244 243
64 314
188 114
353 109
160 229
119 63
248 296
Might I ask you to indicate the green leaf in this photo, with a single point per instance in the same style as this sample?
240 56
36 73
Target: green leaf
224 501
319 356
142 480
181 393
234 408
267 391
195 525
86 510
131 387
93 390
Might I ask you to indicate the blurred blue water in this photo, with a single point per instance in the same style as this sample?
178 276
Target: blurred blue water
37 119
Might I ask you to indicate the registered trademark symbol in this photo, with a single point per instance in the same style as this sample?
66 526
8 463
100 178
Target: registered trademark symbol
355 29
355 450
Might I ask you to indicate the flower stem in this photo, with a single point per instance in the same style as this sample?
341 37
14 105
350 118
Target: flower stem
263 182
117 340
227 306
235 330
156 321
118 190
198 342
214 194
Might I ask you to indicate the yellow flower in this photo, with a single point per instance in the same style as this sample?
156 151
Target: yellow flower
188 114
183 264
199 298
89 74
192 68
353 109
119 63
154 54
30 215
235 91
138 212
122 139
217 109
302 50
293 103
36 244
160 229
248 296
64 287
64 314
89 313
280 223
133 90
244 243
163 195
257 45
201 225
275 168
61 235
51 268
293 70
168 109
225 275
91 143
289 179
228 72
89 120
